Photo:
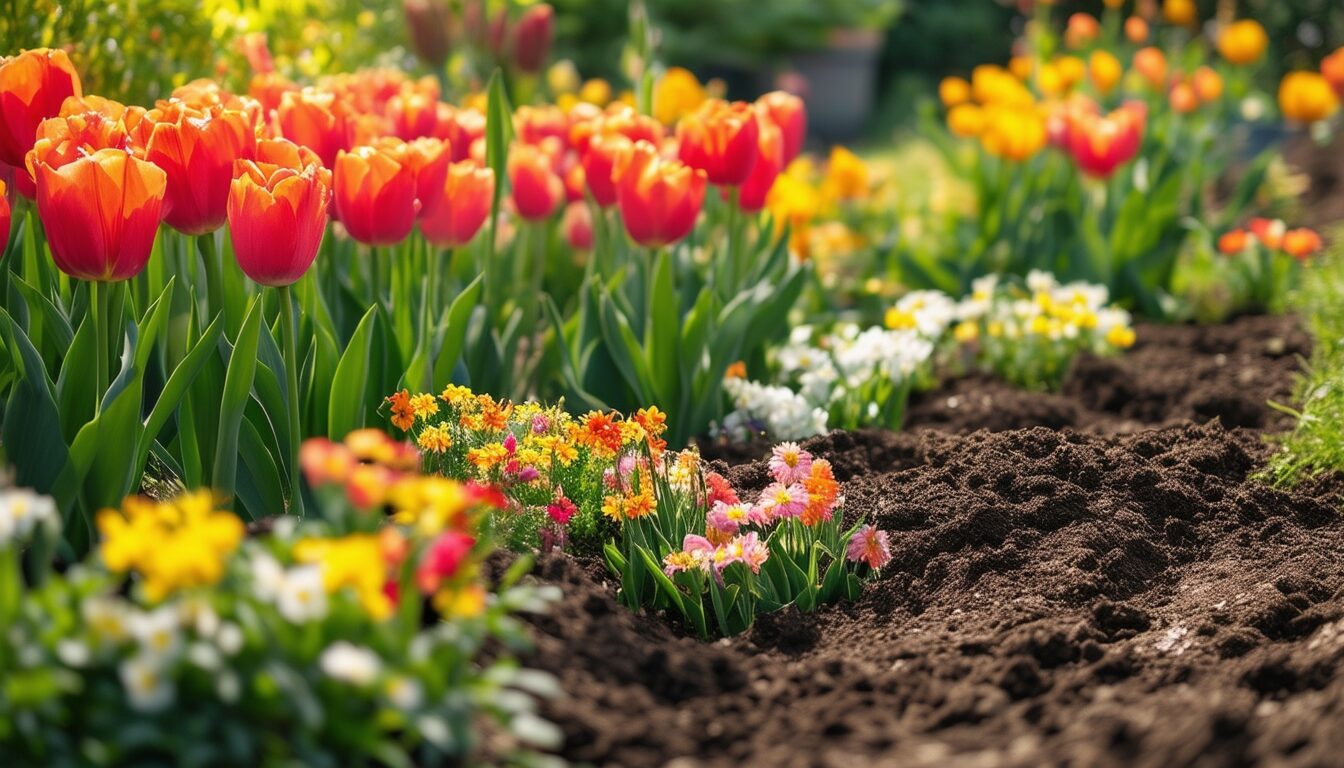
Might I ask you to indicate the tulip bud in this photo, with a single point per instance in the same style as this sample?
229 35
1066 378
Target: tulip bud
428 22
1301 243
1151 64
1105 71
577 224
1208 84
1233 242
1136 30
789 114
532 38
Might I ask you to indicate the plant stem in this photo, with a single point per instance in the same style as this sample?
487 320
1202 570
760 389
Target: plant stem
376 274
289 331
98 305
214 285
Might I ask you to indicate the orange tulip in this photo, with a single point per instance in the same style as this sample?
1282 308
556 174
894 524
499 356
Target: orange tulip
429 160
374 189
315 119
577 225
62 140
454 217
1208 84
1301 243
767 168
623 119
413 114
1234 242
1105 70
954 91
1182 13
534 124
101 212
277 212
1332 69
720 139
537 188
197 148
598 162
659 199
269 89
1151 64
1183 98
789 113
1136 30
33 85
1082 29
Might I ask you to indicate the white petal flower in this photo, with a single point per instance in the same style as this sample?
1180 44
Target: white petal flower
350 663
148 686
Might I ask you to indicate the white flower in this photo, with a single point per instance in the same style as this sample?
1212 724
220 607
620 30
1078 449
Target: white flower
1039 281
21 510
777 411
268 577
157 631
301 597
148 687
107 618
933 311
229 638
404 693
350 663
72 653
204 656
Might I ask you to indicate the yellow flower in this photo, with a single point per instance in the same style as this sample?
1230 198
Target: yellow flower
562 77
465 603
353 562
1105 70
898 319
846 176
1306 97
430 504
436 439
457 396
487 456
954 91
966 331
1013 132
1182 13
612 507
596 91
1243 42
424 406
173 545
1121 337
966 120
677 93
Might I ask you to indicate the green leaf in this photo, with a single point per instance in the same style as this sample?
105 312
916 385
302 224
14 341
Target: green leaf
32 420
179 381
662 336
456 320
349 387
237 389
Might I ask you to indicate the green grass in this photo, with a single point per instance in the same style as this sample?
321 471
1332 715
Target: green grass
1316 444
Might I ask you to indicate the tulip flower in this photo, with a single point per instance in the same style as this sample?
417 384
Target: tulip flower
1332 69
966 120
1136 30
1101 144
429 160
598 163
537 189
1269 232
1182 98
533 124
1151 64
1082 29
1234 242
428 24
720 139
954 91
788 112
413 114
277 213
197 149
532 38
375 192
1301 243
1105 70
454 217
659 199
1243 42
1306 97
768 166
314 119
1181 13
577 226
1013 132
33 85
1207 83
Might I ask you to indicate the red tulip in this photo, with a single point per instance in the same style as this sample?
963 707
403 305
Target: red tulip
413 114
316 120
197 148
1101 144
442 559
537 189
455 216
33 85
429 23
598 163
532 38
429 160
101 212
4 217
534 124
1269 232
659 199
577 225
374 189
720 139
269 90
788 112
277 212
768 166
1233 242
62 140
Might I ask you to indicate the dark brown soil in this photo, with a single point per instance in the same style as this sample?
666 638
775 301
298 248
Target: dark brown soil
1108 593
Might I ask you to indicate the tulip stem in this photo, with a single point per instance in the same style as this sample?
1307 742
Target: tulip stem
375 274
290 333
98 307
214 279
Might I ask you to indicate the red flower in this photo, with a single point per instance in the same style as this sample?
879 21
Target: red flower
1101 144
441 561
33 85
1233 242
277 212
788 112
577 225
659 199
562 510
197 148
375 194
537 189
4 217
1269 232
455 216
767 168
720 139
532 38
101 213
599 162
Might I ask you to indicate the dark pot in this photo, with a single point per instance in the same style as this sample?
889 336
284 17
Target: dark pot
841 81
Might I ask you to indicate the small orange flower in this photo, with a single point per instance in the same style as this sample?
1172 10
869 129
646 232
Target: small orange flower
1306 97
1332 68
722 140
1243 42
600 432
737 370
413 114
1136 30
954 91
1301 243
1233 242
1082 29
1207 83
1105 70
822 492
403 413
1151 64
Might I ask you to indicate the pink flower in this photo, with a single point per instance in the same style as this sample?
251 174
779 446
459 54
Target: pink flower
540 424
694 543
781 501
754 551
790 464
728 554
510 443
562 510
528 474
728 518
870 546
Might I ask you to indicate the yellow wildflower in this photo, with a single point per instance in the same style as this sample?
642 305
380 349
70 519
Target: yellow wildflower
436 439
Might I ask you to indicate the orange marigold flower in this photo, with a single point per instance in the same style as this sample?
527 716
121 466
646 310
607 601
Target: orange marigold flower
403 413
737 370
600 432
640 505
487 456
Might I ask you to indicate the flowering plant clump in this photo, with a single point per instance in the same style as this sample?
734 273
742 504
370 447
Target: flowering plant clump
1028 333
689 543
552 468
353 639
1267 258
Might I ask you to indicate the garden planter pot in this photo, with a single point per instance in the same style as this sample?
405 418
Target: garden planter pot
840 83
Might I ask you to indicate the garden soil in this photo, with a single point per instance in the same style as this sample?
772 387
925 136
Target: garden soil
1088 578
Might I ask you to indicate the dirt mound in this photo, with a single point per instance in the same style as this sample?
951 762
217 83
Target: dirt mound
1055 597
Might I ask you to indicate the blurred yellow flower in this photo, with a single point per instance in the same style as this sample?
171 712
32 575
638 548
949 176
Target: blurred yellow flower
173 545
596 91
1013 132
846 176
1182 13
966 120
676 94
1306 97
1243 42
954 91
1105 70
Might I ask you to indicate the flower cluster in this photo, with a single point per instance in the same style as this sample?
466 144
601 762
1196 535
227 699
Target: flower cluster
550 467
1029 333
1266 259
283 639
720 560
